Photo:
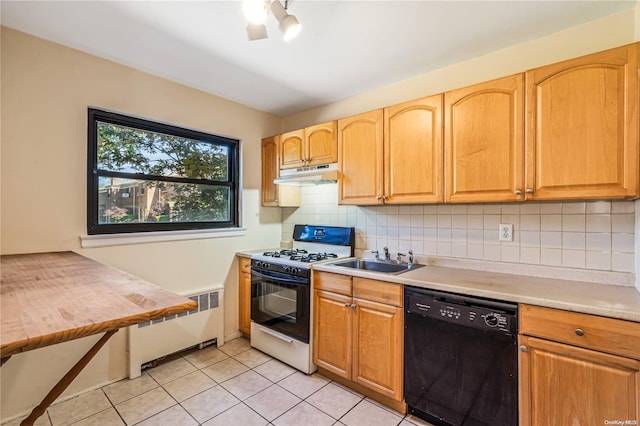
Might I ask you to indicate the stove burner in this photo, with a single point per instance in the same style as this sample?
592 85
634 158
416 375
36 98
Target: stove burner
300 255
315 257
285 252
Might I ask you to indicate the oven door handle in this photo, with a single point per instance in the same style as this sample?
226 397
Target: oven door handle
280 278
276 335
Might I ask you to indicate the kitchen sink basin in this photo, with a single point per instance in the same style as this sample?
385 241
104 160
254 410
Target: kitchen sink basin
386 267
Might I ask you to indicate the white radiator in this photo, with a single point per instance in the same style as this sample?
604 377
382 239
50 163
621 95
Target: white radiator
152 340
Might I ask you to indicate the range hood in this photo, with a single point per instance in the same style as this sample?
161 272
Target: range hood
310 175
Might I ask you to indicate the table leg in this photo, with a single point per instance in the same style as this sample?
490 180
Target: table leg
66 380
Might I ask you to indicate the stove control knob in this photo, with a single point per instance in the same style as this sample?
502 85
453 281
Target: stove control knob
294 271
287 269
491 320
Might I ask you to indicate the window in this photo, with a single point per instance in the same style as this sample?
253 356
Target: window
148 176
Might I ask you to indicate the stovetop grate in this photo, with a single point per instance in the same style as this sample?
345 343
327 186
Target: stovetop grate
300 255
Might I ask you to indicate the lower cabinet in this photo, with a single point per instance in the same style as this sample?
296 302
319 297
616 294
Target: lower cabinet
377 347
358 330
577 369
244 296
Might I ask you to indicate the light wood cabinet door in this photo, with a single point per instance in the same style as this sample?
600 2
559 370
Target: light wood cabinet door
377 347
332 337
360 141
413 152
275 195
321 144
565 385
292 151
270 170
582 127
360 338
244 296
484 142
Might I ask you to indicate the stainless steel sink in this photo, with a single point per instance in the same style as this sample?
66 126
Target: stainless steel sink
386 267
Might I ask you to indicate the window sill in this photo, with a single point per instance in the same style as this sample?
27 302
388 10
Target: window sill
107 240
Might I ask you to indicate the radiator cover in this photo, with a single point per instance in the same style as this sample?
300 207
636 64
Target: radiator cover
152 340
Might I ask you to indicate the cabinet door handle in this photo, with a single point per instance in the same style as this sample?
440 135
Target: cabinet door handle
379 197
384 197
346 305
529 191
353 306
518 191
523 348
579 332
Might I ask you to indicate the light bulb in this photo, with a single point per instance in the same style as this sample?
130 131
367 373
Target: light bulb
290 27
255 11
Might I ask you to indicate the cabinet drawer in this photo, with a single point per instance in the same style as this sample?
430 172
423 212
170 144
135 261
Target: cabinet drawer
335 283
245 264
589 331
377 291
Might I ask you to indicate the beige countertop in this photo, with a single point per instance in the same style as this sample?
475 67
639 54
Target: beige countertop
248 253
608 300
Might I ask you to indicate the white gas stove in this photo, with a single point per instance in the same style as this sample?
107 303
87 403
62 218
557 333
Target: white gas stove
281 291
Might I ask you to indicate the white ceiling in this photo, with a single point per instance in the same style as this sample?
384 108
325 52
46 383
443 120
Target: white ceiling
345 47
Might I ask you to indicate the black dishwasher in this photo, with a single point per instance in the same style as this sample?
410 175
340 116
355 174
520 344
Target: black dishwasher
461 360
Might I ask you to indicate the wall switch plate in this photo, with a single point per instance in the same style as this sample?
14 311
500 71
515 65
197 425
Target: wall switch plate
506 232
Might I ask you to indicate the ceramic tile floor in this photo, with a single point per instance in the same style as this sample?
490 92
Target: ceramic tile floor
232 385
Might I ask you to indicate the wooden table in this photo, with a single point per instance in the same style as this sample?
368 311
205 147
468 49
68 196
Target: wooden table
49 298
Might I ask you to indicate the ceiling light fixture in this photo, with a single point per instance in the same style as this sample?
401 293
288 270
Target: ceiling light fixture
256 12
256 31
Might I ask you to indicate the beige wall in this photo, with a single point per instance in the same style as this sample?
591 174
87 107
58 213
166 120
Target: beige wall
46 89
612 31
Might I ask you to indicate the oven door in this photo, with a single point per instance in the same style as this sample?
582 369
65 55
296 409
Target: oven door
281 302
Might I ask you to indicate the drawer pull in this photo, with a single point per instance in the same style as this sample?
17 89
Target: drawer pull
523 348
579 332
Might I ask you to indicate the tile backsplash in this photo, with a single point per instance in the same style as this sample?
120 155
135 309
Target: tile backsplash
595 235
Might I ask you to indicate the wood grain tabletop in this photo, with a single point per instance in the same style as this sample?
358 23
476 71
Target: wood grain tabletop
48 298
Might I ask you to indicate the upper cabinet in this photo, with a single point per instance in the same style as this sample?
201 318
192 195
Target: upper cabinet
484 141
392 155
360 141
310 146
270 171
413 152
564 131
321 144
275 195
582 127
292 149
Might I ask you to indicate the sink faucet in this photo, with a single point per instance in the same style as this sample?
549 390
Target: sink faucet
399 257
410 257
376 254
387 256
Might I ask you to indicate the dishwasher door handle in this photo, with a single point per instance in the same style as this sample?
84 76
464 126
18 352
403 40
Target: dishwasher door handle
423 307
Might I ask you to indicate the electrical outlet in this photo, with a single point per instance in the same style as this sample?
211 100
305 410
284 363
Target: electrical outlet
506 232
